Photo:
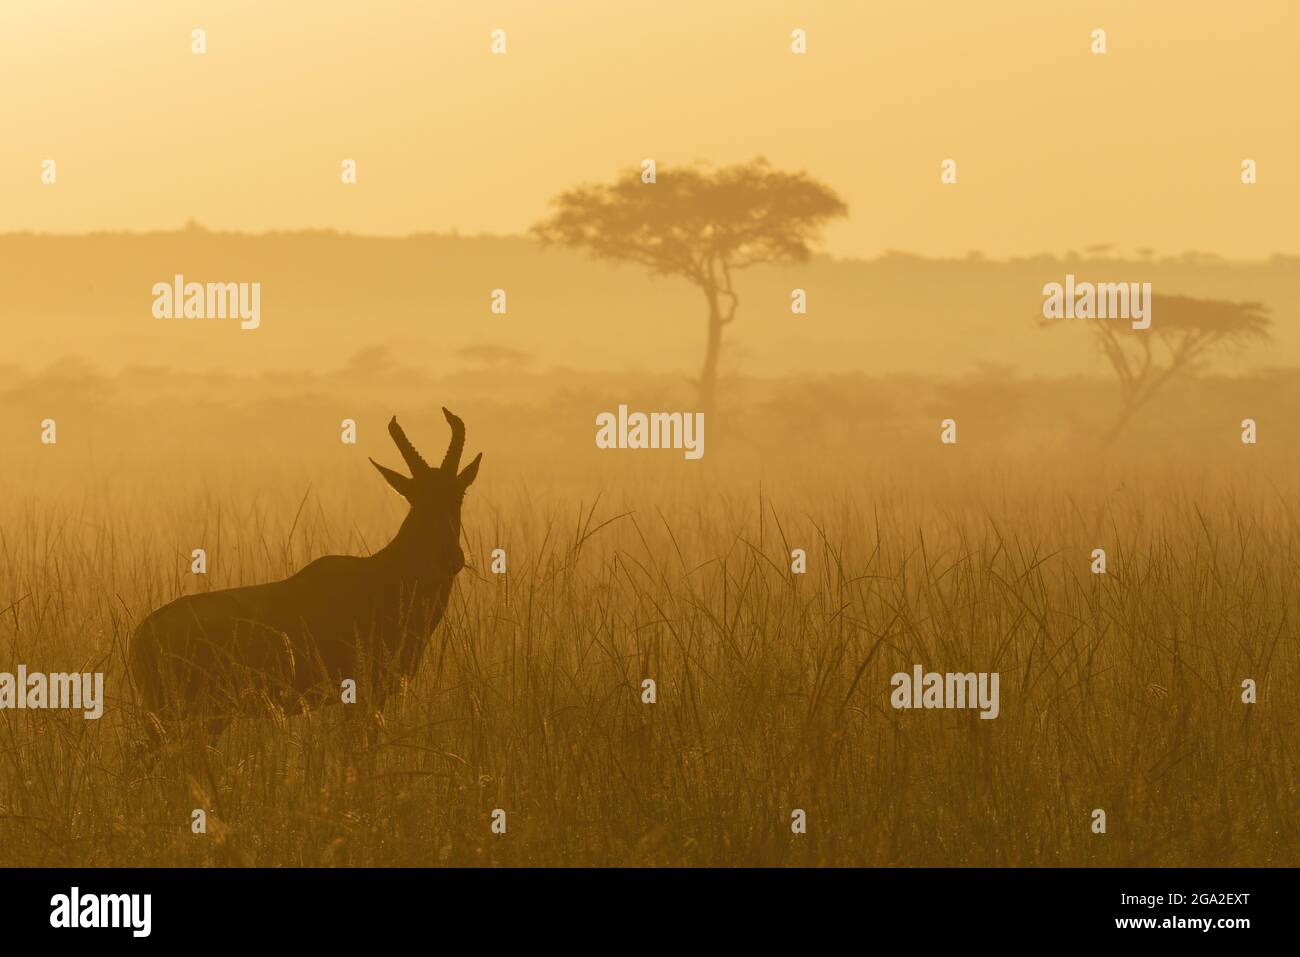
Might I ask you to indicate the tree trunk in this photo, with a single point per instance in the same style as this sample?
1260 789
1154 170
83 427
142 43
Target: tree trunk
712 352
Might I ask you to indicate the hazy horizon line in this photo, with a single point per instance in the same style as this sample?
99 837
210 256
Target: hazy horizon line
1094 251
526 366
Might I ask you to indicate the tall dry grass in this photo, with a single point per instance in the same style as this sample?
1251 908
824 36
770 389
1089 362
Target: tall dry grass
1120 692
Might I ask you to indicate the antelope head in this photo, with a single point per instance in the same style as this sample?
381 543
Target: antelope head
435 494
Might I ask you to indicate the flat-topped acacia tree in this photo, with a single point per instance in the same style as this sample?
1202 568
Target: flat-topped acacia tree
701 223
1185 333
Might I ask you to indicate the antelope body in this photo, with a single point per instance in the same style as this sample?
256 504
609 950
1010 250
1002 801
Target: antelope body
285 644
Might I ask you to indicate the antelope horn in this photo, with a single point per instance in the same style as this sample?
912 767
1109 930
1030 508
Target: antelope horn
414 462
451 461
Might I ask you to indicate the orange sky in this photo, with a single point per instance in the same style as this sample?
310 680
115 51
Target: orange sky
1057 148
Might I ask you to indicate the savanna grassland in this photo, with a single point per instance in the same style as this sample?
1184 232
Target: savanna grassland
1119 691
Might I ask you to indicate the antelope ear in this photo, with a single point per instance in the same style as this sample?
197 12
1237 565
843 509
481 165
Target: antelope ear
397 480
469 473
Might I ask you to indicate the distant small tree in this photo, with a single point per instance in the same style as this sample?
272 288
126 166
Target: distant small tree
495 355
701 224
1183 336
371 361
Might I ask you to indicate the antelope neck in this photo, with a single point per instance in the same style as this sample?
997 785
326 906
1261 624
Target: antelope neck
416 546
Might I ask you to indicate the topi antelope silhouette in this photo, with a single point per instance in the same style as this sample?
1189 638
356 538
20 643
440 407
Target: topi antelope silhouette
289 643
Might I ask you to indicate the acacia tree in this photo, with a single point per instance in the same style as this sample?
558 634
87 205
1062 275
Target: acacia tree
1184 333
701 224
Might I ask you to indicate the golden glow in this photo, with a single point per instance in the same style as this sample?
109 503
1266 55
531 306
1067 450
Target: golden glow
1057 148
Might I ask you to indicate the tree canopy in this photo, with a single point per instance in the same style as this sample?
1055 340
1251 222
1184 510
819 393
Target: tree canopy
698 222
